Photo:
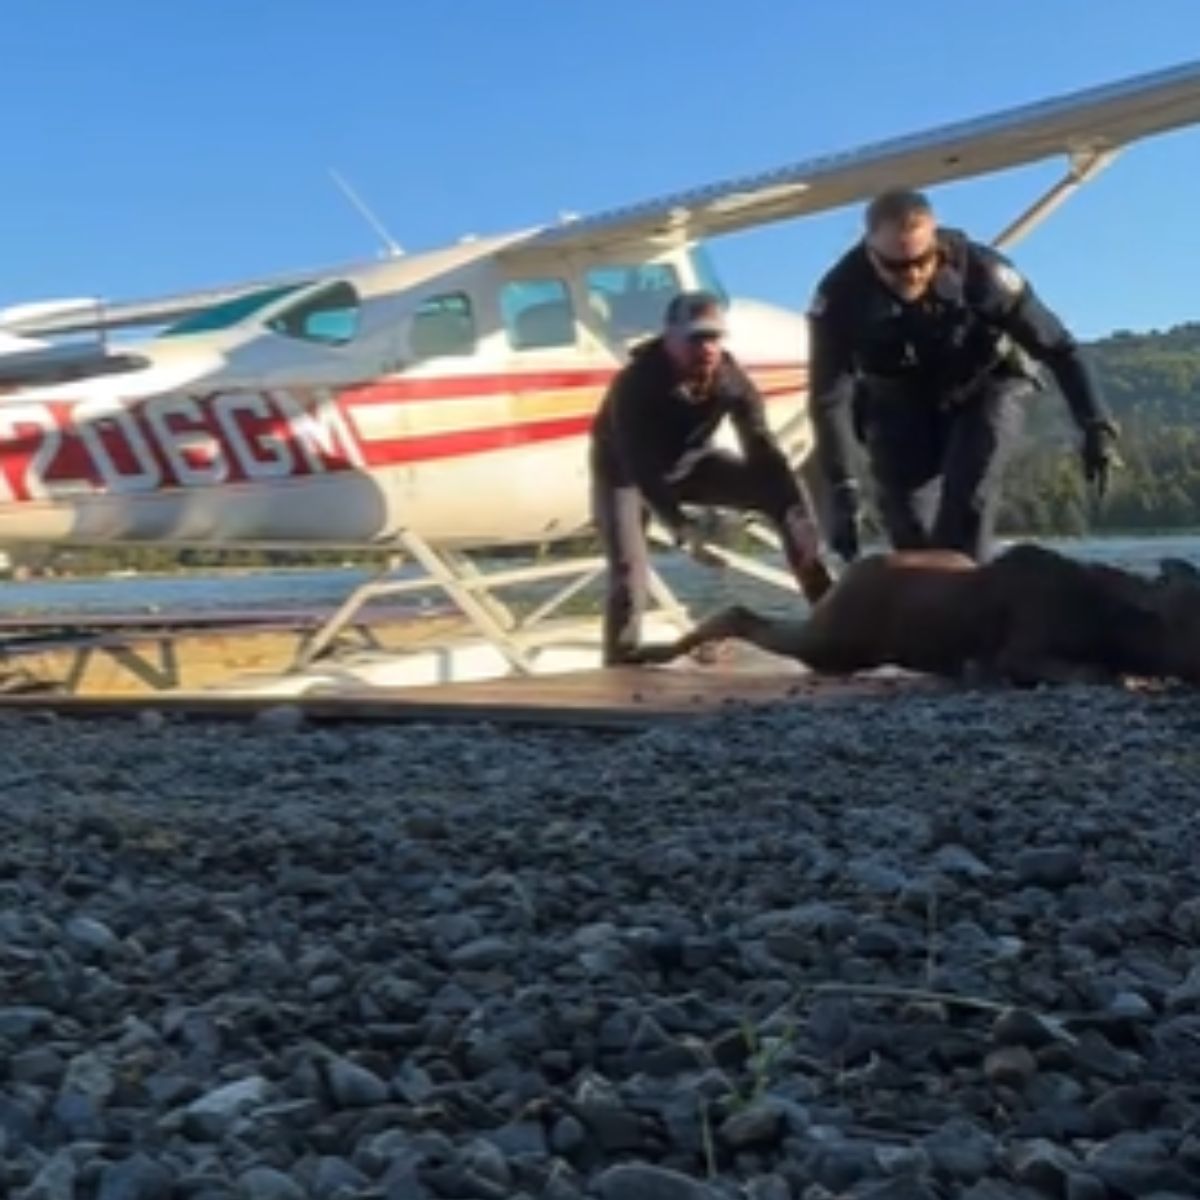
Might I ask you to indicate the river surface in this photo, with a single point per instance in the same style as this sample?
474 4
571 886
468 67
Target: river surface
323 589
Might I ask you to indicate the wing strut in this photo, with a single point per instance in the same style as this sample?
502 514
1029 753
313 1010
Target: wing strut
1083 168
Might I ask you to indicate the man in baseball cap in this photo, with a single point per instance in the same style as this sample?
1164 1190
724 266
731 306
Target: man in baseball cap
652 453
696 314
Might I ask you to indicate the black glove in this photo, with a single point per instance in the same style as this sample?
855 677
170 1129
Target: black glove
843 533
1099 454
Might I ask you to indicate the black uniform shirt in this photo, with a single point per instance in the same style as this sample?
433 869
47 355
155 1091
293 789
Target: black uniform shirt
975 318
647 426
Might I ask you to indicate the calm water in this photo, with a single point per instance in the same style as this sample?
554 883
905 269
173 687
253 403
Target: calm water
325 588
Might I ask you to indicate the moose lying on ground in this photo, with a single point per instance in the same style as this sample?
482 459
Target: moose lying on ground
1029 616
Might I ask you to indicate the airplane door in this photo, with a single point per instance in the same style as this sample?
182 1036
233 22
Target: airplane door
557 365
429 404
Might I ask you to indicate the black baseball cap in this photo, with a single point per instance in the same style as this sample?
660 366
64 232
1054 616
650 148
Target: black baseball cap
696 314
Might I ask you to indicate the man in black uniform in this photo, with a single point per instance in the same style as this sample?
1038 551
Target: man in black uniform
651 453
918 336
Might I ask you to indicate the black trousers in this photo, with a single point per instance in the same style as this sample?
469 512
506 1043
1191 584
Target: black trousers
716 479
938 472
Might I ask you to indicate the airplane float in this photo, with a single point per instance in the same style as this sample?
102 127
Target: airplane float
438 404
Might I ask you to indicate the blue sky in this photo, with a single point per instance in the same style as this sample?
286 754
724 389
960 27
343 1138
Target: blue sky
152 147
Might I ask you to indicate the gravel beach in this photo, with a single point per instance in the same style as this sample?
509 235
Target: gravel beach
927 946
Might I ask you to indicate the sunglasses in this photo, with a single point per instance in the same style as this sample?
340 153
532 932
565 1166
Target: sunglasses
902 266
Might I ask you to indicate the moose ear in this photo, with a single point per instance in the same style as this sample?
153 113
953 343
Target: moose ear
1177 570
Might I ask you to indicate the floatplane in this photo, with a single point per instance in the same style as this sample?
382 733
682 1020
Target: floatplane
437 404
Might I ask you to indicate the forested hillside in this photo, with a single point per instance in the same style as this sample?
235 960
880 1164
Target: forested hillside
1152 384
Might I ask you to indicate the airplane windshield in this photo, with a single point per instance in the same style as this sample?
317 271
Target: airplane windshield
230 312
706 273
630 299
329 316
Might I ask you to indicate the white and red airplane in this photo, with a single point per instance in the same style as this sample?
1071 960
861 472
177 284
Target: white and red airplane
439 403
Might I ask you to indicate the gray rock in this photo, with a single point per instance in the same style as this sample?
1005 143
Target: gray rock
1184 997
1095 1054
1020 1027
78 1116
210 1116
1010 1066
768 1187
1131 1006
55 1179
642 1181
233 1098
18 1022
1137 1164
567 1136
91 936
1049 866
267 1183
957 860
960 1150
1129 1107
894 1189
1041 1164
876 876
136 1178
1081 1186
520 1138
486 1160
91 1076
353 1086
760 1123
878 939
993 1189
336 1175
41 1065
482 954
839 1165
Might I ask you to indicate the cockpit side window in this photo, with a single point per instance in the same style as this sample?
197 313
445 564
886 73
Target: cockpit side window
441 326
538 314
330 317
630 299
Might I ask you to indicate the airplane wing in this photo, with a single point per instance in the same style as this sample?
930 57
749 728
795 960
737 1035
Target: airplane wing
1086 124
1080 124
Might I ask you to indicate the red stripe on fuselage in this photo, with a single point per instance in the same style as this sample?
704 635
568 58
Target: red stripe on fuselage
455 387
413 450
471 441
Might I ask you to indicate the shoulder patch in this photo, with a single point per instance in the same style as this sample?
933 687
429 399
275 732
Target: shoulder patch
1008 279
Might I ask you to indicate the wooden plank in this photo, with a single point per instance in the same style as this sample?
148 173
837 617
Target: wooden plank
606 698
131 663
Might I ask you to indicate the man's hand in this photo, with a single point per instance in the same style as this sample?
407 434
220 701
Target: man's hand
1099 454
843 533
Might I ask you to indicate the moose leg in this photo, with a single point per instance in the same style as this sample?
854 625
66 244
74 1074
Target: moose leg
775 636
